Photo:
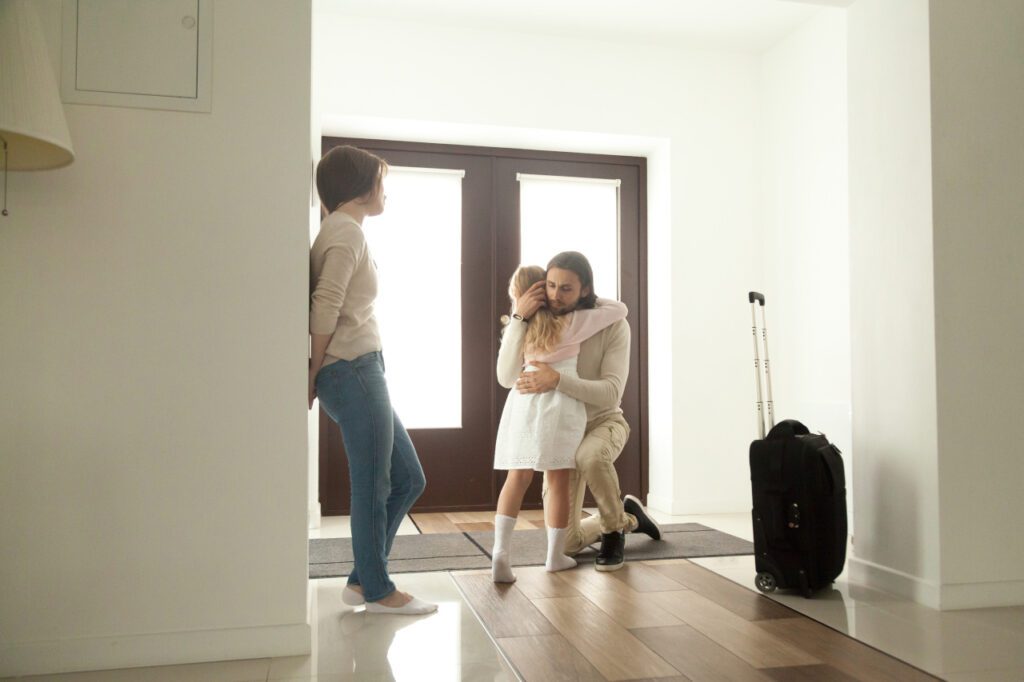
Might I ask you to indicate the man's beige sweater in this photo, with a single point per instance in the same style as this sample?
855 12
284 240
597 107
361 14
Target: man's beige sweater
602 366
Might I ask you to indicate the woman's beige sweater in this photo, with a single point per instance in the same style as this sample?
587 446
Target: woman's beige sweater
343 287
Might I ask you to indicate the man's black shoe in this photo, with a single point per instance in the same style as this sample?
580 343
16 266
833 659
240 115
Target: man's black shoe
645 524
612 547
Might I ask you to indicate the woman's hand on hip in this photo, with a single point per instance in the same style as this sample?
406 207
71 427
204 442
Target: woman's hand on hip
311 393
541 381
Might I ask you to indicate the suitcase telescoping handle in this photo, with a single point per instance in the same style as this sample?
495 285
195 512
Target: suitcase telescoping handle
757 300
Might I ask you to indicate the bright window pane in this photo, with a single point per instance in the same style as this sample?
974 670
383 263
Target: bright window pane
417 244
572 214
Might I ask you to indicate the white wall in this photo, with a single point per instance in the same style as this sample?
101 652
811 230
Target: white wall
936 252
313 415
977 76
153 304
896 501
695 113
805 237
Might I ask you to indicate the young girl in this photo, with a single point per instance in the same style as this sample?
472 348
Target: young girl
541 431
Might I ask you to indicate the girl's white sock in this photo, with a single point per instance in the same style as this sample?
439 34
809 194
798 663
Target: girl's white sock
557 561
501 555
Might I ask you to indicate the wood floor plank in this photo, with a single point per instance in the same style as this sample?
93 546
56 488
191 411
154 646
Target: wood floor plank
522 523
696 656
588 574
740 636
643 578
504 610
537 583
434 523
626 606
479 525
616 653
548 657
631 613
808 673
741 601
843 653
470 517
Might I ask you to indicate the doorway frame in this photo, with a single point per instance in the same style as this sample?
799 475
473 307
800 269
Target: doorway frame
639 164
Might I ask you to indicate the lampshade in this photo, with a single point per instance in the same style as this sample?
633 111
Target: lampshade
31 114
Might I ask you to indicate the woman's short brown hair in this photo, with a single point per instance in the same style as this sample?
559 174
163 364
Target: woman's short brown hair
346 173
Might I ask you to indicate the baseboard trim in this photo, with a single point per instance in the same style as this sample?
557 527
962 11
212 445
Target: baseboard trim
659 503
690 507
164 648
896 582
961 596
948 597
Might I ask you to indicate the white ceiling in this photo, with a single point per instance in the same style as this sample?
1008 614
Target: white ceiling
740 25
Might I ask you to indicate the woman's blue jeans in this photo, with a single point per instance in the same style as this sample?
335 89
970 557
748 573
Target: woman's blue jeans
384 470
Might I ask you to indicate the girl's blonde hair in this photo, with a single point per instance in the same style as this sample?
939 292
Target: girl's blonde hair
544 329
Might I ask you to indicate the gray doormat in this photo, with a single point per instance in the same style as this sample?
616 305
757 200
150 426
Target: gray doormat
330 558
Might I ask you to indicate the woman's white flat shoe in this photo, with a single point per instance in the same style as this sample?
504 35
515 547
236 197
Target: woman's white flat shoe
351 597
415 607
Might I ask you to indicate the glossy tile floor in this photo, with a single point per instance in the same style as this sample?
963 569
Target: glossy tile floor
983 645
349 644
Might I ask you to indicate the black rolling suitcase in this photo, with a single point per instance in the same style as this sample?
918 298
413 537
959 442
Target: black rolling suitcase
799 495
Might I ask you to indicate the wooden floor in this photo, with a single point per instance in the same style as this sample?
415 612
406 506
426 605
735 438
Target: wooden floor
456 522
666 620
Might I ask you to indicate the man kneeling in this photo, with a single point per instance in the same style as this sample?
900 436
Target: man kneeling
602 369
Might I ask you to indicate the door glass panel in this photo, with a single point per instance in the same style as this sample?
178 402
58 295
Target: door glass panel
417 244
571 214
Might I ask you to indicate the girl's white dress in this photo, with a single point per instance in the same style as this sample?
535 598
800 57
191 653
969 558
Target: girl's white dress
541 431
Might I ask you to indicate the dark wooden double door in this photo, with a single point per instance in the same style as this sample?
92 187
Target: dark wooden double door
458 462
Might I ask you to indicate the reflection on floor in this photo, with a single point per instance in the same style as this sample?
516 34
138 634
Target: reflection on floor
701 613
350 644
984 645
454 522
662 619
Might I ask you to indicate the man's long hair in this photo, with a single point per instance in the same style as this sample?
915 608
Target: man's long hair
578 263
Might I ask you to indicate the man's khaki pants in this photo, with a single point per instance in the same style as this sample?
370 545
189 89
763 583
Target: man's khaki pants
602 444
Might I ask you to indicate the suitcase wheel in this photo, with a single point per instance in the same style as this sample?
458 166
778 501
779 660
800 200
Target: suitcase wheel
765 582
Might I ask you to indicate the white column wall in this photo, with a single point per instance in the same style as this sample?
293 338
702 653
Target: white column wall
153 305
977 76
936 252
895 487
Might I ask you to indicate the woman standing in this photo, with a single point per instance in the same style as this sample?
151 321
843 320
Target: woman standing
346 373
